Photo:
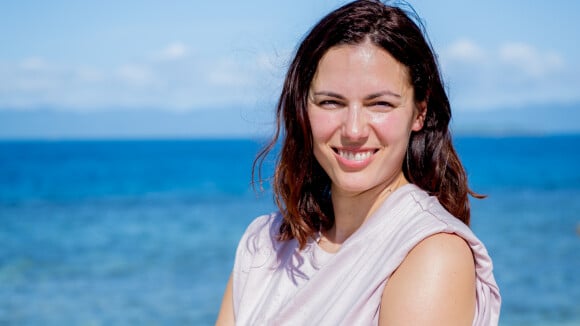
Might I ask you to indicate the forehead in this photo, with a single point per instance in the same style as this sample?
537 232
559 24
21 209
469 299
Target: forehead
360 63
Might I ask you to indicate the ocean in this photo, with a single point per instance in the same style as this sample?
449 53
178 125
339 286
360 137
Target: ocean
143 232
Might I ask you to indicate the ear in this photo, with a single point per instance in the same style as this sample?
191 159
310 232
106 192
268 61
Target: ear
420 118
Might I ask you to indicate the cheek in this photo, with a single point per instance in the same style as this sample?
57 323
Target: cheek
322 126
391 127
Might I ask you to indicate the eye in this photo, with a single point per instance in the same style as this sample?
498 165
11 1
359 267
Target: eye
382 105
329 104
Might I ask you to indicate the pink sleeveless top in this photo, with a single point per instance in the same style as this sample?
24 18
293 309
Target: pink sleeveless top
274 283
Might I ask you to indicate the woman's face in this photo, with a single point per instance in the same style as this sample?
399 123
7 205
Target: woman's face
362 113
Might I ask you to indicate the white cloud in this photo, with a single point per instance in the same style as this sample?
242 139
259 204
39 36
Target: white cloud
529 60
173 51
160 81
137 75
34 64
229 73
89 74
507 75
465 50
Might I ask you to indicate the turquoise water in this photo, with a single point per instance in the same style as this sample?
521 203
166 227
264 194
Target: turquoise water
144 232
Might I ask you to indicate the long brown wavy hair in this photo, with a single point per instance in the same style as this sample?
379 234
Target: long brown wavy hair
300 185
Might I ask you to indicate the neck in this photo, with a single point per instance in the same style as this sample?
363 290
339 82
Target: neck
351 210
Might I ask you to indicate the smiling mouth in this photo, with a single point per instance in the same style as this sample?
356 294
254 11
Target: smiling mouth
357 156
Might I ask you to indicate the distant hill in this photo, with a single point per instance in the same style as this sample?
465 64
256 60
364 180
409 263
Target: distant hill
122 124
246 122
535 120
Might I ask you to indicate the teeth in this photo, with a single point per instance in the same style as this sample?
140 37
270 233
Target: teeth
352 156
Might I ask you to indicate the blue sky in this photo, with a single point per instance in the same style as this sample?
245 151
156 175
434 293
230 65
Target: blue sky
225 60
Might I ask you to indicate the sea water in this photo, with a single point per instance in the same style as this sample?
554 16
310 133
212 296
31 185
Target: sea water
144 232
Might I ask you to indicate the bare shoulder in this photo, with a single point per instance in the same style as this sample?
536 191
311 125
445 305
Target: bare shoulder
226 313
434 285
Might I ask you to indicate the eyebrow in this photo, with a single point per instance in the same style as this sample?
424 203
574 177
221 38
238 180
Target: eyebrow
369 97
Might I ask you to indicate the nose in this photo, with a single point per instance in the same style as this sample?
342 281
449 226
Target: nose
355 124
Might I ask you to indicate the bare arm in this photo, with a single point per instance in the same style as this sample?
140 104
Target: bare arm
226 314
434 285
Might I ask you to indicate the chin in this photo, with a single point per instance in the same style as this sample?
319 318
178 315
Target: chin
354 188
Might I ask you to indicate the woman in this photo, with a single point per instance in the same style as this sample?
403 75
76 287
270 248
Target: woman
373 199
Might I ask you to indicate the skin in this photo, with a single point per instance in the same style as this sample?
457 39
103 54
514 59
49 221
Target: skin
226 314
362 112
435 285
